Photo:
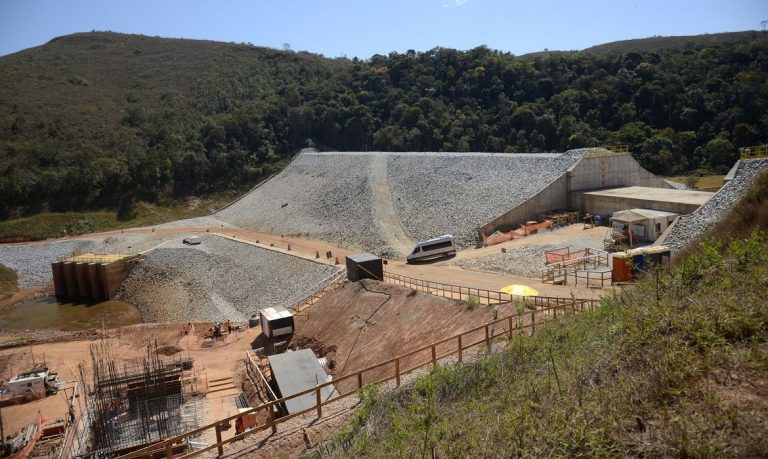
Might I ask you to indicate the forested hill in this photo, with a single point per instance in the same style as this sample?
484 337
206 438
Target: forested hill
95 120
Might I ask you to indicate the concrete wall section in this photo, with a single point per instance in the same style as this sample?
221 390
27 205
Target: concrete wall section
553 197
610 171
81 275
94 280
70 278
607 205
113 276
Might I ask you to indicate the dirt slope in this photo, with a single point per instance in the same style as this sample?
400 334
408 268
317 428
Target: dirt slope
367 322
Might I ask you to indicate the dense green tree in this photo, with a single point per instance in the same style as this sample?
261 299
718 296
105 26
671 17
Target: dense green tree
102 119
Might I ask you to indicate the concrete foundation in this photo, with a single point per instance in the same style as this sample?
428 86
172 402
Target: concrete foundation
606 202
589 173
90 276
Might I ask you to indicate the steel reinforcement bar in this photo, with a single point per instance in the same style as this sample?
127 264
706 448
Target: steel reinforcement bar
514 323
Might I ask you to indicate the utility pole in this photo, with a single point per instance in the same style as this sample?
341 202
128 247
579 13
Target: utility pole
764 23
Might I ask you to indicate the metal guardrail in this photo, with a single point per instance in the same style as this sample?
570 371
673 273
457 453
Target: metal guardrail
392 369
316 291
613 150
756 151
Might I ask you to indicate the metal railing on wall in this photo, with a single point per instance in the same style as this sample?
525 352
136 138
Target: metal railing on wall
756 151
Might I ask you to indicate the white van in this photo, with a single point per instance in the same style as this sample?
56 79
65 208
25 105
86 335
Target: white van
192 240
442 245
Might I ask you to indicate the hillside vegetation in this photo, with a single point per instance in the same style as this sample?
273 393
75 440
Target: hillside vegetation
100 120
677 366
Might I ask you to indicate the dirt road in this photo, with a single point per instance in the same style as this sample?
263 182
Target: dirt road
444 271
386 214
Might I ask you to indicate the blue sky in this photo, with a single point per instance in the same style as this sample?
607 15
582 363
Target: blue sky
362 28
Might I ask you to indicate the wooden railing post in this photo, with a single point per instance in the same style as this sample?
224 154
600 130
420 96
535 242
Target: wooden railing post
533 322
360 380
487 335
510 327
271 419
397 372
218 440
319 402
168 450
434 355
460 350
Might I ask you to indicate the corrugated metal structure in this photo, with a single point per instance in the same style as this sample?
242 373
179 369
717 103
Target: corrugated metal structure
297 371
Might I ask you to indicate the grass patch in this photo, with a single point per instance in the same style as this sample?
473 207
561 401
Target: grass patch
8 281
705 182
673 367
48 225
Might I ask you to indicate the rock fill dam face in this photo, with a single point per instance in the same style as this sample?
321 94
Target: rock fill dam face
349 198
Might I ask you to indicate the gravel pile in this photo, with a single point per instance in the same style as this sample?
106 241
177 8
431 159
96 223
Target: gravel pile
33 261
457 193
690 227
325 196
525 261
216 280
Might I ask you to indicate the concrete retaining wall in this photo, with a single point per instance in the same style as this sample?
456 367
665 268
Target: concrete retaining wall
554 196
588 173
607 205
592 173
89 280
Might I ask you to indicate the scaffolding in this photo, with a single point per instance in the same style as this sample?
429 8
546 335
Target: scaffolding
138 403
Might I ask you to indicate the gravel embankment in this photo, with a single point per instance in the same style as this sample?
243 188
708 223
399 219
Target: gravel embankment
690 227
33 261
217 280
438 194
525 261
327 196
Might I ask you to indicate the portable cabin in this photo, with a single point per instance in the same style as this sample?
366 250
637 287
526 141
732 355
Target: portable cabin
364 266
276 322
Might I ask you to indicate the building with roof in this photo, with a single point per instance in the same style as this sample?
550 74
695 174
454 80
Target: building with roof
641 225
297 371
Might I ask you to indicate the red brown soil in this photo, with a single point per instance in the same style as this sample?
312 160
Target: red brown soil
216 362
368 322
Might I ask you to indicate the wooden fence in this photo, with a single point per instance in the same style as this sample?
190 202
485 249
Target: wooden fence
394 370
488 297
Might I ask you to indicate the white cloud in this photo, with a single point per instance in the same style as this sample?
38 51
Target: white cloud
455 3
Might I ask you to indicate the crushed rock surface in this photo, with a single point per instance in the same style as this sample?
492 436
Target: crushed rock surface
690 227
321 196
456 194
219 279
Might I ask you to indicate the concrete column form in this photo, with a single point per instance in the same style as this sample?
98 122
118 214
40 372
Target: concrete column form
70 278
81 274
97 289
59 284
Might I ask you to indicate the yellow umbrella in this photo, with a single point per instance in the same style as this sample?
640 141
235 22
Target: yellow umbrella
519 290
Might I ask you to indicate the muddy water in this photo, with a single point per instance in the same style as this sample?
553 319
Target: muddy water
49 313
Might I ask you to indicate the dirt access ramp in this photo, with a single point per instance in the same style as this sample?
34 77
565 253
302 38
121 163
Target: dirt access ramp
367 322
